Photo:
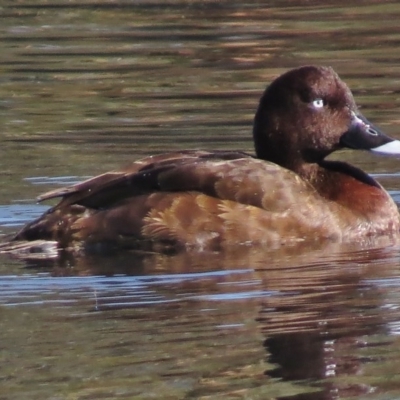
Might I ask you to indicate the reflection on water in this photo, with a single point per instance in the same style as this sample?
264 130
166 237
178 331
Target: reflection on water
104 293
299 323
88 86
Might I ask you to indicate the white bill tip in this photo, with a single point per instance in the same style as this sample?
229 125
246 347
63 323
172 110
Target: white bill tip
388 148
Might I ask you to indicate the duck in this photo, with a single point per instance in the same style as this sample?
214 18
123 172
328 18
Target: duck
207 200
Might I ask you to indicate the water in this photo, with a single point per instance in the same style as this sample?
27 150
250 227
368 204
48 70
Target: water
89 86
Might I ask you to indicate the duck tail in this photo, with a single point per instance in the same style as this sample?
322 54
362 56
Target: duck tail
32 250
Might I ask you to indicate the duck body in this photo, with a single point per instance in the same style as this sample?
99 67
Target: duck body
149 205
201 200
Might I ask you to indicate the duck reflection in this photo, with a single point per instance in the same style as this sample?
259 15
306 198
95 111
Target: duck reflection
316 308
321 323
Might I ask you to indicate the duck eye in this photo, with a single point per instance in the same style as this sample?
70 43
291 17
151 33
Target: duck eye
318 103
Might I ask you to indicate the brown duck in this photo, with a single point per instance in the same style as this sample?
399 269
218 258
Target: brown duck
201 200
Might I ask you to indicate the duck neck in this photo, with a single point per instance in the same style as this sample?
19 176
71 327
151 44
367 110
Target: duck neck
325 173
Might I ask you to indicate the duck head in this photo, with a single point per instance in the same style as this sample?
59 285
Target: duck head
309 112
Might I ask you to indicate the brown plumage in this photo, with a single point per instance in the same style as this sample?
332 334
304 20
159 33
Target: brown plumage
208 200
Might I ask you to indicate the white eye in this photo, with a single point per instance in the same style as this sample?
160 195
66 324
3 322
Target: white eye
318 103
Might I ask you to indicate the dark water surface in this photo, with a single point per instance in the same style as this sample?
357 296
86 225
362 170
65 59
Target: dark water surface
89 85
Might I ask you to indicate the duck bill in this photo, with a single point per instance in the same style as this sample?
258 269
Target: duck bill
365 136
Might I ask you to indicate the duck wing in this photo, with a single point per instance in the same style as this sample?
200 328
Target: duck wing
140 177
